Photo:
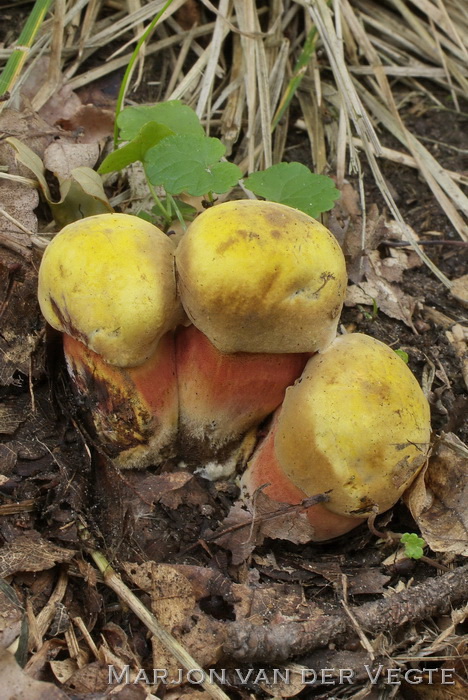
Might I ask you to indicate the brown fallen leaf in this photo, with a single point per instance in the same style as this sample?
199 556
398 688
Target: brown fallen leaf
459 290
367 581
173 603
15 683
250 521
438 499
458 337
11 616
171 489
31 553
389 297
61 157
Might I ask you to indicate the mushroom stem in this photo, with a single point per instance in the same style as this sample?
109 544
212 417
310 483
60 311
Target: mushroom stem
264 471
224 395
133 410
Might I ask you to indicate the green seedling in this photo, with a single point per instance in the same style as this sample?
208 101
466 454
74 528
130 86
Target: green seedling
413 545
404 355
178 158
371 316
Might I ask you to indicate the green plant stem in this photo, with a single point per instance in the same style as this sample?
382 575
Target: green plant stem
131 65
158 202
178 213
25 40
296 79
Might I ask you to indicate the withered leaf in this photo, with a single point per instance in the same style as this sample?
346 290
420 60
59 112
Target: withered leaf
171 489
367 581
173 604
61 157
250 521
31 553
11 616
438 499
15 683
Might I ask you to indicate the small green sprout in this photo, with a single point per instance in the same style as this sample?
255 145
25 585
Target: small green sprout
404 355
413 545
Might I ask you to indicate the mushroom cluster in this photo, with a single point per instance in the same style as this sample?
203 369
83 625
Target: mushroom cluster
184 352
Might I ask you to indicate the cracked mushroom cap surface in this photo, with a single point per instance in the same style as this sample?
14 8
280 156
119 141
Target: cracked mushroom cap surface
258 276
356 423
109 281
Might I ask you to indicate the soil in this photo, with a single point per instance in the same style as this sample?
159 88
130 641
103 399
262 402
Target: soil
55 478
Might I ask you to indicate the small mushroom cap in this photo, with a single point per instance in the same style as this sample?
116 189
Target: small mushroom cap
261 277
109 281
356 422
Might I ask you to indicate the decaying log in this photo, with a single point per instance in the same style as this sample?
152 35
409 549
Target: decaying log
267 643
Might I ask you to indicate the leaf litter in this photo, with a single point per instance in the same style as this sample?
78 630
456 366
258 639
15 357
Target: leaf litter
54 482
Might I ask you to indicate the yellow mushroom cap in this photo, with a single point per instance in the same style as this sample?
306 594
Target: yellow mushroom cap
109 281
356 422
261 277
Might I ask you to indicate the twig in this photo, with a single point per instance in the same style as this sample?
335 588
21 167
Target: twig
246 641
114 581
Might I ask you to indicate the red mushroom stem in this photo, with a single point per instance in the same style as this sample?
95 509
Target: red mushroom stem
224 395
264 468
134 410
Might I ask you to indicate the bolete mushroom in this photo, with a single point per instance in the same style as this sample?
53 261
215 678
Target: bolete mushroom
356 425
264 285
108 283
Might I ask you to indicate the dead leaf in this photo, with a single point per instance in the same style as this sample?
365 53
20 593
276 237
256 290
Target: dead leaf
61 157
19 199
11 616
92 678
15 683
459 290
239 536
94 124
173 603
293 683
11 417
367 581
390 299
31 553
250 521
273 522
438 499
171 489
63 670
458 337
82 194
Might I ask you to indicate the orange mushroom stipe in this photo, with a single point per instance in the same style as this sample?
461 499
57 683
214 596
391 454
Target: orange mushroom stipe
264 471
134 410
223 395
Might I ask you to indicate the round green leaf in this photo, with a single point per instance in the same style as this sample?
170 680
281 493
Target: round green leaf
180 118
190 164
295 185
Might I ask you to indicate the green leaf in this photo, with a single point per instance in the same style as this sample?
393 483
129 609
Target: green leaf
404 355
181 164
295 185
413 545
179 118
149 135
